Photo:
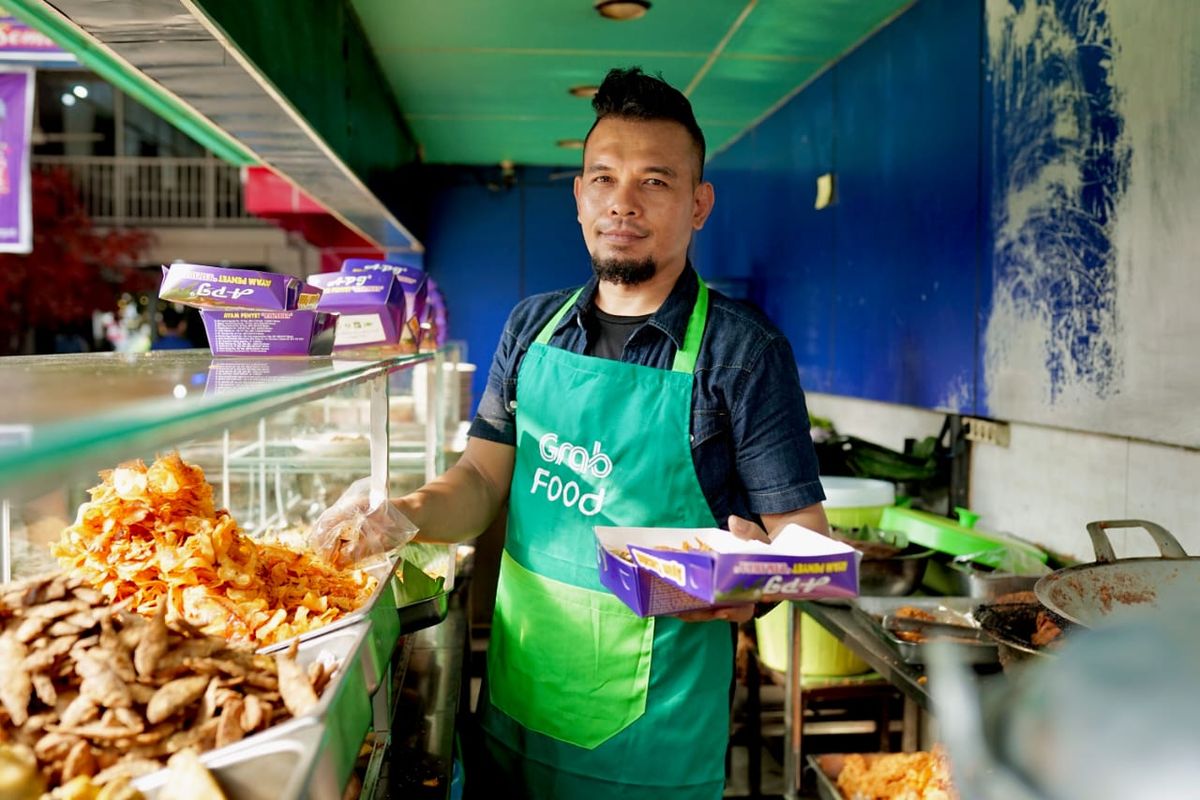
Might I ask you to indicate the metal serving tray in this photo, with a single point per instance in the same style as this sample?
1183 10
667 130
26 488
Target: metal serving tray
827 768
954 610
376 605
390 614
322 744
281 768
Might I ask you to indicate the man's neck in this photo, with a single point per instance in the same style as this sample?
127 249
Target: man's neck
622 300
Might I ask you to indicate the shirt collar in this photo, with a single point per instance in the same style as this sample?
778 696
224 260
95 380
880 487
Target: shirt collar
671 318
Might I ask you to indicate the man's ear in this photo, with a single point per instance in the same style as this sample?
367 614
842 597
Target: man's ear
578 185
703 200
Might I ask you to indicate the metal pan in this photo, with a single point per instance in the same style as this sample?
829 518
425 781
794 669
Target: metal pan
1086 594
1011 626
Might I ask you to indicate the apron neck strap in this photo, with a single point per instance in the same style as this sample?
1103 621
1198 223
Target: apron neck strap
685 357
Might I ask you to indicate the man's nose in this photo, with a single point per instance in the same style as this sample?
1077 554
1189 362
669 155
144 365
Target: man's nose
625 202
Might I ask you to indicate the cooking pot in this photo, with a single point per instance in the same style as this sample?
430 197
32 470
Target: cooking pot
1087 593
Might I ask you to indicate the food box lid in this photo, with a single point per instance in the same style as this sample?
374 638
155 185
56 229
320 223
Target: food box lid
202 286
947 536
719 568
843 492
342 290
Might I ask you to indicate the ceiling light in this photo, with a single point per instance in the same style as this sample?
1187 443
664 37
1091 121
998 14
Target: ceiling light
80 91
622 9
583 91
571 144
67 99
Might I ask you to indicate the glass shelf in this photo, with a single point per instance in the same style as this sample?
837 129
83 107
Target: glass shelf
76 412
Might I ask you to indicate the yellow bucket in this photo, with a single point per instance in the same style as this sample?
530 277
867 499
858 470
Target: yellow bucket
820 651
851 503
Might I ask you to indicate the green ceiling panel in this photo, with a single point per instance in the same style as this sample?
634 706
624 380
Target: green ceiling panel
671 25
738 91
813 31
472 83
481 81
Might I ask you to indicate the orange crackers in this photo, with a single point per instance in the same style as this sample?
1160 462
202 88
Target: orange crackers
151 535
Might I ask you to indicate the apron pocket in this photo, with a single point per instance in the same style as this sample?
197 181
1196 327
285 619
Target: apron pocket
569 663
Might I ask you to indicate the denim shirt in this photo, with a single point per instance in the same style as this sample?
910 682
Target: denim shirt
749 431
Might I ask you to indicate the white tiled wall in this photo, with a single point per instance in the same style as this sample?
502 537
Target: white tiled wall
1049 483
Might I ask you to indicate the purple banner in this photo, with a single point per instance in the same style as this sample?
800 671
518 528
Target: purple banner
16 114
19 41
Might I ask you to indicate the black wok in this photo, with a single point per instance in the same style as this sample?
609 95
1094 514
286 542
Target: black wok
1087 593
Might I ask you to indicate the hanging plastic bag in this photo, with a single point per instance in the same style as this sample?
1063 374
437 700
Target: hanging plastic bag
353 530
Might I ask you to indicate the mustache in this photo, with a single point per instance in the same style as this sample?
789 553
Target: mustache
624 227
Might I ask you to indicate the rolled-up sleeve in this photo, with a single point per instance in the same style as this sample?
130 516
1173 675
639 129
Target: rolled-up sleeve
775 457
494 420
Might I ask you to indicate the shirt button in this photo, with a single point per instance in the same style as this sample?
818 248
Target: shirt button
692 438
512 406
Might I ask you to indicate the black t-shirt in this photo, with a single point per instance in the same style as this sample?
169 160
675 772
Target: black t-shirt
607 334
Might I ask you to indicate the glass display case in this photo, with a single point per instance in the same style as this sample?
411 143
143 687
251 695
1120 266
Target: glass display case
278 439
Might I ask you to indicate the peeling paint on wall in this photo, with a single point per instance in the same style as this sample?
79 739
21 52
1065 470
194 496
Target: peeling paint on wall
1060 165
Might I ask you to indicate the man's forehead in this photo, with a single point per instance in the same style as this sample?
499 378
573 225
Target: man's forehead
660 143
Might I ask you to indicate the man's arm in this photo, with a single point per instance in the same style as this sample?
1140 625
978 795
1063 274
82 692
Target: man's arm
459 504
811 517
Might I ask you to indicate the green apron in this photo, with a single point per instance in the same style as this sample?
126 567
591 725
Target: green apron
584 699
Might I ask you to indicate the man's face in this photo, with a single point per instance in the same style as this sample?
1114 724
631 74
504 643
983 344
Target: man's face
638 198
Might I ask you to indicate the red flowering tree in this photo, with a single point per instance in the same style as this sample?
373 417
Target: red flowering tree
73 269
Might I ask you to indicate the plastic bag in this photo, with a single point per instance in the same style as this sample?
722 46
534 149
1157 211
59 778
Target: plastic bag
352 531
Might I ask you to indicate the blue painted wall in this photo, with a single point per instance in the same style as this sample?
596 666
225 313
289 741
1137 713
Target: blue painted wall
490 245
878 293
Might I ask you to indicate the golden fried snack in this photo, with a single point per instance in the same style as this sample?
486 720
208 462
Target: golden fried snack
897 776
99 716
153 538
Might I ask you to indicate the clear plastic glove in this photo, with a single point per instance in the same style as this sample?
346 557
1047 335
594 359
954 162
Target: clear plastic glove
352 530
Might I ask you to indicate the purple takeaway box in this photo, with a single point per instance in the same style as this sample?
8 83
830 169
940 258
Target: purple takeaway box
251 313
370 307
413 281
799 564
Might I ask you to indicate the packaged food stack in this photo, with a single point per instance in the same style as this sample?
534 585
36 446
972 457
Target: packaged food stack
379 304
251 313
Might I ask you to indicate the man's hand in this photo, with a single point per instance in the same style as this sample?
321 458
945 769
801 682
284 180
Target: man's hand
743 529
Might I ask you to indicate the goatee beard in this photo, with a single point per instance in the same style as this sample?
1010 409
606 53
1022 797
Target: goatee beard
624 271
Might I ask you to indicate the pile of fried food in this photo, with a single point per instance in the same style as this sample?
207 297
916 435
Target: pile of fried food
102 693
151 535
897 776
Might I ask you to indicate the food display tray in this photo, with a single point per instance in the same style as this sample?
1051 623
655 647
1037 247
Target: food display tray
320 746
955 610
376 607
827 768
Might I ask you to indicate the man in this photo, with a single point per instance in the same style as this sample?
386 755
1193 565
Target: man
689 408
172 330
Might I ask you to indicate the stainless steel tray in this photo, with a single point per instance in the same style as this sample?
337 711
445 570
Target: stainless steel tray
280 768
383 572
321 746
390 612
955 610
827 768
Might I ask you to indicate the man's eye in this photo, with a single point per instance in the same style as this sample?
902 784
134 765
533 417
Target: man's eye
656 182
602 179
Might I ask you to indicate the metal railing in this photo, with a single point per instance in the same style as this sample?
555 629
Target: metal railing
151 192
